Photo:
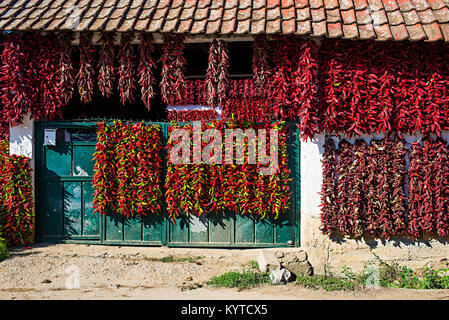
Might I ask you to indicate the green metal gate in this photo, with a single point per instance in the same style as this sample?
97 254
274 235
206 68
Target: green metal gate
64 196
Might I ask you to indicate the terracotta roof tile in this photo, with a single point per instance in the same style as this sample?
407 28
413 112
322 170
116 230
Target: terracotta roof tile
348 16
433 32
333 15
288 13
350 19
376 5
346 4
437 4
442 14
416 32
273 26
334 30
366 31
390 5
331 4
314 4
383 32
427 16
411 17
399 32
350 31
289 26
421 5
318 14
444 27
303 14
360 4
319 29
303 27
405 5
258 27
363 16
395 18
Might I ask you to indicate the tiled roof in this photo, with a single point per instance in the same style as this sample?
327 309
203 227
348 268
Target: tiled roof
348 19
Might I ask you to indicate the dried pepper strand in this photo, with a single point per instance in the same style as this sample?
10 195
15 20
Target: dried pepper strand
173 70
66 69
106 70
48 98
441 186
222 72
199 188
147 67
397 170
126 70
260 62
128 169
305 90
328 188
212 74
18 200
415 190
17 91
86 71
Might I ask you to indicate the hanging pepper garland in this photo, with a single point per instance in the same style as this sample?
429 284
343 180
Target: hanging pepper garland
17 90
428 193
18 229
173 69
128 169
49 97
86 71
364 191
199 188
16 202
106 71
126 72
328 188
260 63
304 79
222 72
147 67
66 69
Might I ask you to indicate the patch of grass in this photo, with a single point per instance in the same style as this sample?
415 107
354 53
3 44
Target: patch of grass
386 275
240 280
253 264
325 282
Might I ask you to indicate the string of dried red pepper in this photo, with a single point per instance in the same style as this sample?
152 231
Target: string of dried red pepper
86 71
126 70
147 66
106 70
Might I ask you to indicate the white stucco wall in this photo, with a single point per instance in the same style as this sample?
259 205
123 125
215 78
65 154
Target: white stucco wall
328 255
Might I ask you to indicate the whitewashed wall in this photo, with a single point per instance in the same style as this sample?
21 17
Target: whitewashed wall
328 255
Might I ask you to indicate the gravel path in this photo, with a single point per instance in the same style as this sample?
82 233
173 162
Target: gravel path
69 271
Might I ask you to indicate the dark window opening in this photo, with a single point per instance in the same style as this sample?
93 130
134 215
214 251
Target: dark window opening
196 54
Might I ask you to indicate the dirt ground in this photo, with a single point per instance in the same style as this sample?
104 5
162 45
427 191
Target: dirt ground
77 271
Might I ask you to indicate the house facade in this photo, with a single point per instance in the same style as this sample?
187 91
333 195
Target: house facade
346 71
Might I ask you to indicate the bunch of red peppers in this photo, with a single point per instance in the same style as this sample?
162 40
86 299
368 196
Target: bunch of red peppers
363 190
16 201
128 169
196 187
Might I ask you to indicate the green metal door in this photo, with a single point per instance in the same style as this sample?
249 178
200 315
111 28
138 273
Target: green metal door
64 195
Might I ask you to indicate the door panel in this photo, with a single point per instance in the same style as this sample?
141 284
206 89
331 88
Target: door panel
65 192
